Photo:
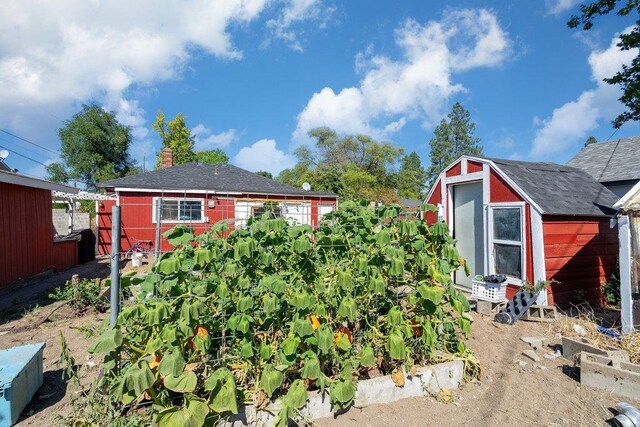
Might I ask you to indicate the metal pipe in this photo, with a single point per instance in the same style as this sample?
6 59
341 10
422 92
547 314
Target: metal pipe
115 265
628 416
158 226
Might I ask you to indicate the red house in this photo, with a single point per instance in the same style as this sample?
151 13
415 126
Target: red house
200 195
27 246
529 221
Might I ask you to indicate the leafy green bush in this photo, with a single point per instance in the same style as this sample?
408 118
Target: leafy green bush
86 295
275 310
611 290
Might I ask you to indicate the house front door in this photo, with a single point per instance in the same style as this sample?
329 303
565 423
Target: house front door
468 230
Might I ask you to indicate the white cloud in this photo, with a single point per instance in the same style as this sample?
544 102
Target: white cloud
391 92
570 124
556 7
285 26
205 140
263 155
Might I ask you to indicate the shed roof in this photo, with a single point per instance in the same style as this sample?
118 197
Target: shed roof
208 177
27 181
558 189
617 160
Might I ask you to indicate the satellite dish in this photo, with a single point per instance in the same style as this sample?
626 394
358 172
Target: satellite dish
306 186
4 154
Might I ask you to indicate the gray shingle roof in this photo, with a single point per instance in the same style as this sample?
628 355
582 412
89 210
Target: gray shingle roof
207 177
617 160
558 189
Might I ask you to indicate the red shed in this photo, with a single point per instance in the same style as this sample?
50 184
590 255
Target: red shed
27 246
529 221
200 195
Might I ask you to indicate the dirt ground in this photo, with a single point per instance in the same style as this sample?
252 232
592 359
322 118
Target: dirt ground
512 390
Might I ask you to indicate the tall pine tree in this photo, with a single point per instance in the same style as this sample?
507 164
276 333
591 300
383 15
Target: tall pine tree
411 178
452 138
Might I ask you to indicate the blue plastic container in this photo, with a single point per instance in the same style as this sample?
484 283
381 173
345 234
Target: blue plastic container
20 378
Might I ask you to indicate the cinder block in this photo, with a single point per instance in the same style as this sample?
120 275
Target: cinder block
487 308
430 379
602 373
571 347
541 313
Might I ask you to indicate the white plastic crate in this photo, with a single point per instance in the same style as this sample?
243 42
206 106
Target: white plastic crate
493 292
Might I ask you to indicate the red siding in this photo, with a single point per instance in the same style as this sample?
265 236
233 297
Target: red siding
137 213
501 191
473 167
455 170
580 253
26 228
436 197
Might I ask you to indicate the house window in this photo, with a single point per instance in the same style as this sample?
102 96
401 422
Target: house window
180 210
272 209
507 241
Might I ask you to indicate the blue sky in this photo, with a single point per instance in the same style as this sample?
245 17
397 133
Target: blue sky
253 76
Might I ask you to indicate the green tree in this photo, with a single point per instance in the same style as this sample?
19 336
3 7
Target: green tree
629 77
265 174
590 140
214 157
56 172
452 139
94 148
411 178
353 166
176 135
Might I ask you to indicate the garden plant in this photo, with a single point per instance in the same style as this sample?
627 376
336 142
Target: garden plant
272 311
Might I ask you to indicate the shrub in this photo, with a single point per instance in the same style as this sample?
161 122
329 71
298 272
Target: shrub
611 290
86 295
275 310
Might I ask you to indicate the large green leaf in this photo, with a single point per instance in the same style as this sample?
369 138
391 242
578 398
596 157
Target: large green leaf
192 414
270 379
311 367
342 393
397 348
325 338
185 383
138 378
223 391
348 309
172 363
367 358
109 341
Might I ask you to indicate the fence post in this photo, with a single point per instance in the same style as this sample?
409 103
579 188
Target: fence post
158 226
115 265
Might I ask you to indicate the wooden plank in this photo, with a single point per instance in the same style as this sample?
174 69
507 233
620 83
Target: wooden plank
578 227
579 261
569 250
578 239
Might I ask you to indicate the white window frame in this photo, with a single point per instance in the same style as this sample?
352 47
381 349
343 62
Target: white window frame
523 240
202 219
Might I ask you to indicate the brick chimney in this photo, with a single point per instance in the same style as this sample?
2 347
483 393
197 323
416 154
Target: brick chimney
167 157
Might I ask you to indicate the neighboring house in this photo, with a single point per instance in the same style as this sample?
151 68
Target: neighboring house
27 245
200 195
629 235
615 164
529 221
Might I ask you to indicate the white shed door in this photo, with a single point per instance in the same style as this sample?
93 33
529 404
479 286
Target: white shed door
468 230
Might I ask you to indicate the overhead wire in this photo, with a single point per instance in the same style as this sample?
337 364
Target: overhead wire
28 142
22 155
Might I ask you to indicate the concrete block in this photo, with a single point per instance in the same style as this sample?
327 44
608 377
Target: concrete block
487 308
541 313
534 342
531 355
602 373
571 347
430 379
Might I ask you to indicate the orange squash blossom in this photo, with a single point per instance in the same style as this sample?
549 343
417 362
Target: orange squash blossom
155 361
314 321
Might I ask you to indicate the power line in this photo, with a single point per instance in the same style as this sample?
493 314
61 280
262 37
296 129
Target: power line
28 142
22 147
22 155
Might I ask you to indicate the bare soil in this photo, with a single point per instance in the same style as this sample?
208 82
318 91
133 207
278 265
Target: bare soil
512 389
